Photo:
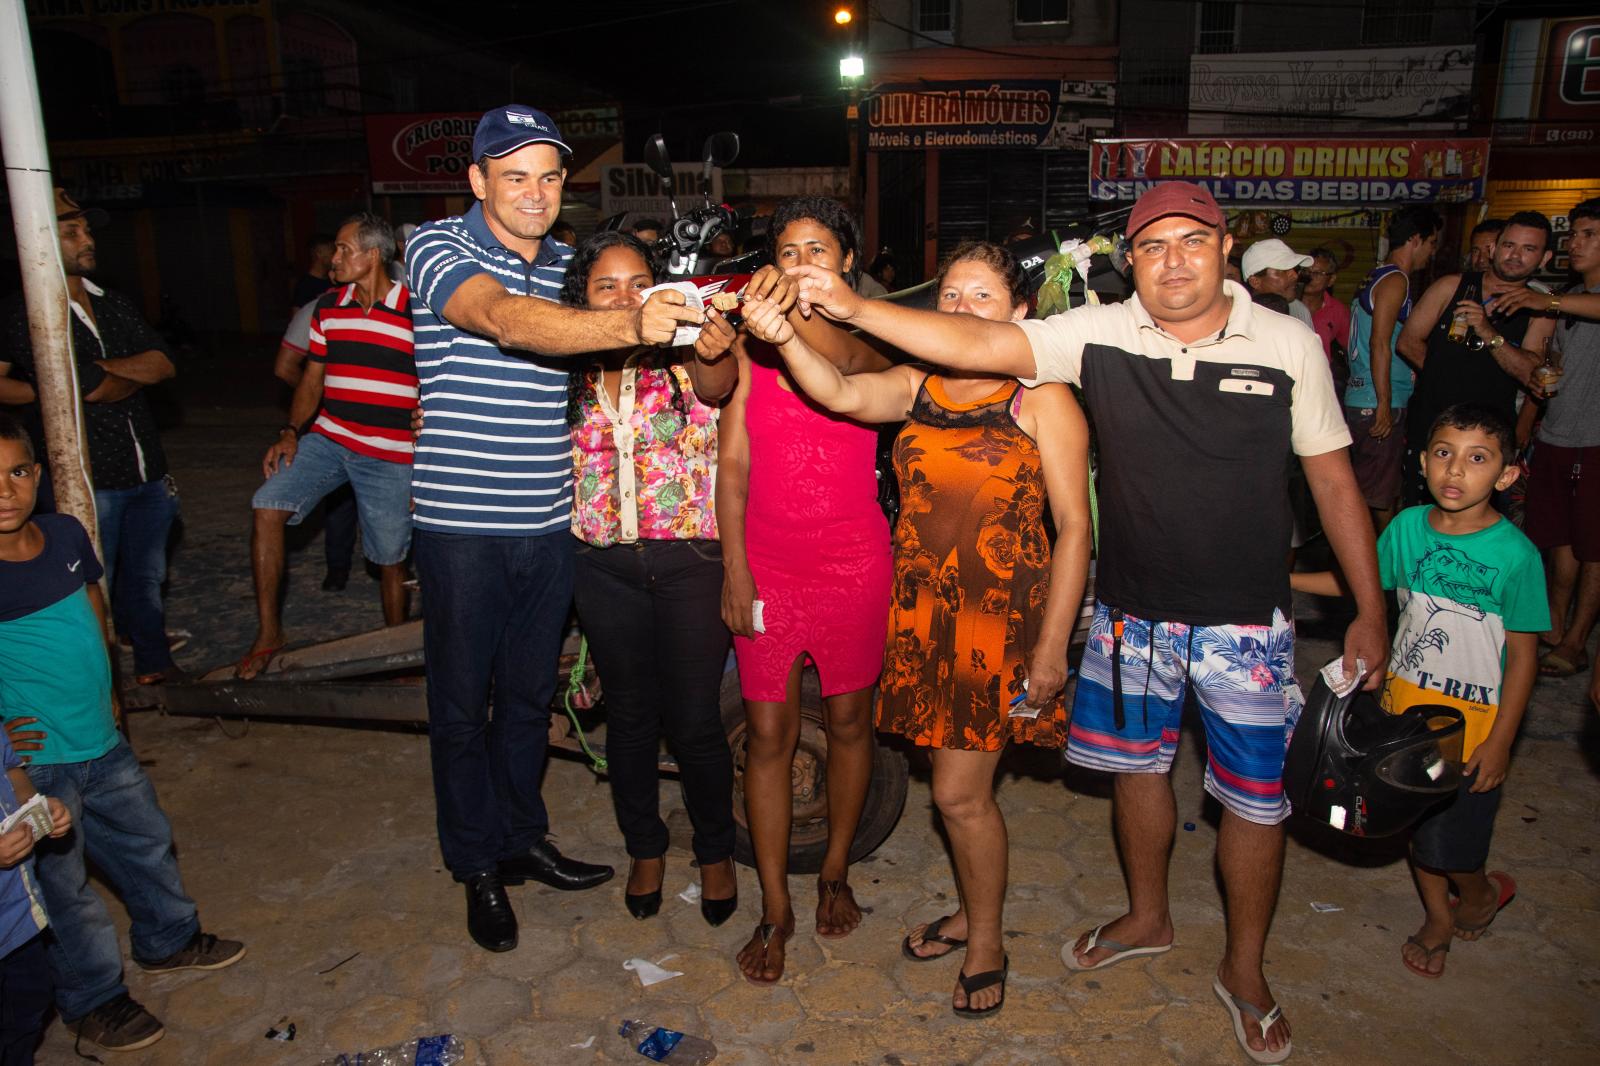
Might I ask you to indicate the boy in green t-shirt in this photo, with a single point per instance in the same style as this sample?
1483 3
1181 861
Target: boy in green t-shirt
56 707
1472 603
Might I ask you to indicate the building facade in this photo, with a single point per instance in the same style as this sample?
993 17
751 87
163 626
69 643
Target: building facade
1311 120
976 119
221 135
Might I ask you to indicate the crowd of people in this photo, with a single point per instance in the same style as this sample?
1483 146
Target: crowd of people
509 416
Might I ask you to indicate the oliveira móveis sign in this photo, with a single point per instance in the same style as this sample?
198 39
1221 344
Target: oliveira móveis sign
1371 172
987 114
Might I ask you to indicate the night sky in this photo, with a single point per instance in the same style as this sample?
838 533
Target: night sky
768 69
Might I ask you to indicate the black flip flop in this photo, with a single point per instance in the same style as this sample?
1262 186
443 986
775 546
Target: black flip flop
931 935
977 983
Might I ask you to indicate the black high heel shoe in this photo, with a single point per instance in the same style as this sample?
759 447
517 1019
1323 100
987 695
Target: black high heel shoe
717 911
645 904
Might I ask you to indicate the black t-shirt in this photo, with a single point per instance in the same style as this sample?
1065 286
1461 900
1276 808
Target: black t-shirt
308 287
67 563
1455 372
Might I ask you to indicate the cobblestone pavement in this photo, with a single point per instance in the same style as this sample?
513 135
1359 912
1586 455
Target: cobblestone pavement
315 845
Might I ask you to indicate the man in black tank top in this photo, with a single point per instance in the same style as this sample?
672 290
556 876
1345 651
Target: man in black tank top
1493 361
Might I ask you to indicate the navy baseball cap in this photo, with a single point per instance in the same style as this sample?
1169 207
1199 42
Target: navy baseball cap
503 130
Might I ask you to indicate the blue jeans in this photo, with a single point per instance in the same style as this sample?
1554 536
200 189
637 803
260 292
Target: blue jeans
24 1002
339 528
134 526
119 826
493 609
382 489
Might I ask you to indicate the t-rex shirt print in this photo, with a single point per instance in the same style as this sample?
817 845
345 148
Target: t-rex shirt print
1458 596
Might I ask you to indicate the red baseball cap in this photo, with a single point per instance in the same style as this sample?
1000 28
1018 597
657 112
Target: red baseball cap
1174 198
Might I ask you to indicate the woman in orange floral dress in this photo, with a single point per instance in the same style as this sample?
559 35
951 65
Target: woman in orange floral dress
981 614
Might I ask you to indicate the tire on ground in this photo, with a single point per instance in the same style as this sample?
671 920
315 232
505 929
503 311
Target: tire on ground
886 794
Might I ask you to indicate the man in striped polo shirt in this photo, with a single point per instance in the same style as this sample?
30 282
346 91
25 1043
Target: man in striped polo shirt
492 486
357 393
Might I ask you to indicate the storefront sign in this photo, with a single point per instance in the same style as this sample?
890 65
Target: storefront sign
1358 171
430 153
635 187
1304 92
1549 90
988 114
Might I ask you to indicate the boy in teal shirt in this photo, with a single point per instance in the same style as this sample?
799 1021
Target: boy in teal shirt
55 700
1472 603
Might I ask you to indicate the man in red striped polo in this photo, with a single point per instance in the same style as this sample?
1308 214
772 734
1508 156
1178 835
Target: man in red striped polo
350 422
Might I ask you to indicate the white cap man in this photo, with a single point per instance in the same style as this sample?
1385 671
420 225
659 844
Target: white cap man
1272 266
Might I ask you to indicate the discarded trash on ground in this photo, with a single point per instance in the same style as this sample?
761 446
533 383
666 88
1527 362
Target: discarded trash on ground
690 894
651 973
442 1050
589 1043
282 1029
666 1045
1188 827
1325 908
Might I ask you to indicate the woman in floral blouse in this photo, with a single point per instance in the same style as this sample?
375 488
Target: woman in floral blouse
649 571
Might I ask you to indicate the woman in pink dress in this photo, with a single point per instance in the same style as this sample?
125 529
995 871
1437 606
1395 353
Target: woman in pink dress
807 564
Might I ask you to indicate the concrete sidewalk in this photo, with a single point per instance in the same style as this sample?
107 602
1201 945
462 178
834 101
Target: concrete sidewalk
316 846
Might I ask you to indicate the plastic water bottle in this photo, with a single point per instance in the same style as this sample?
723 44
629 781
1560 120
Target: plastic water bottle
666 1045
443 1050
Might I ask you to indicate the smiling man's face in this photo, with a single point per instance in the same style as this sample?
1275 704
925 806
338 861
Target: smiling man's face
1177 267
521 193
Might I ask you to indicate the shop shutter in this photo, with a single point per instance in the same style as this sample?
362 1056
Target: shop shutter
902 184
987 195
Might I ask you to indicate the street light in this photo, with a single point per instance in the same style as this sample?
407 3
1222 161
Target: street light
852 68
843 16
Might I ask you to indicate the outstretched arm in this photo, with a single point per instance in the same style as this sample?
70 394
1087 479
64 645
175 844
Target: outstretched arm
885 396
1318 583
1581 304
482 305
964 342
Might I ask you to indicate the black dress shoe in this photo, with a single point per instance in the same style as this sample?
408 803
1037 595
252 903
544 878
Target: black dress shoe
545 864
335 579
717 911
490 919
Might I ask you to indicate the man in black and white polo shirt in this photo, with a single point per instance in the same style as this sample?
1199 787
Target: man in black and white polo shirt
492 484
1198 398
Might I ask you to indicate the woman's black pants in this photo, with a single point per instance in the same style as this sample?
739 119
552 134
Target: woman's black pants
652 611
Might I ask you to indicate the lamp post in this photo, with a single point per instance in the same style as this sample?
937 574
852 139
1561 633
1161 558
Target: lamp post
852 70
44 284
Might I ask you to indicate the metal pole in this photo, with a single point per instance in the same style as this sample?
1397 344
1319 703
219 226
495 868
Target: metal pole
44 283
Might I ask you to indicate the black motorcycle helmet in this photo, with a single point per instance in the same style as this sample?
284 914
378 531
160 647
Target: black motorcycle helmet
1367 773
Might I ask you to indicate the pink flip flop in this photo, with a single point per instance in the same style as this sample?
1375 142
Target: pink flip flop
1508 892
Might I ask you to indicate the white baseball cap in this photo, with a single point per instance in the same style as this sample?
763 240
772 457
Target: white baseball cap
1271 254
